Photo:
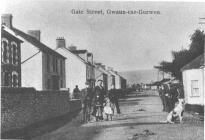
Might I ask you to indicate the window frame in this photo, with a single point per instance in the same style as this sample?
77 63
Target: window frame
48 61
194 88
12 52
3 51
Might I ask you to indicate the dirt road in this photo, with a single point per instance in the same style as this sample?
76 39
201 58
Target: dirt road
140 120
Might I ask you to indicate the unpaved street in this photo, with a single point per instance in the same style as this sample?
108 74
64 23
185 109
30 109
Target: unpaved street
139 114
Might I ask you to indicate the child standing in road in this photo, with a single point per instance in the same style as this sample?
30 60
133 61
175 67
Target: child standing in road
108 108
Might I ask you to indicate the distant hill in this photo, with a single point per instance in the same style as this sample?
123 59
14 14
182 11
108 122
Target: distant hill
140 76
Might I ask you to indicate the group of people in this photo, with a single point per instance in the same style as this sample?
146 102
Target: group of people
97 100
169 94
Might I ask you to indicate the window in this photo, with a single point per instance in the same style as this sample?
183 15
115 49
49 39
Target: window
5 50
7 79
14 79
14 53
48 63
54 65
61 67
61 83
194 88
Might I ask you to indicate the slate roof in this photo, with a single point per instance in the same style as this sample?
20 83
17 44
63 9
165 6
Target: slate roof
100 68
195 64
42 47
78 57
7 30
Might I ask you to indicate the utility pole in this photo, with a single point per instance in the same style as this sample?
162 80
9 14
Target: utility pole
163 70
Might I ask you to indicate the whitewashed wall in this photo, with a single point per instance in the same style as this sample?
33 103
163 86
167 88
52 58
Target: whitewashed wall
98 75
109 81
193 74
31 70
75 70
117 82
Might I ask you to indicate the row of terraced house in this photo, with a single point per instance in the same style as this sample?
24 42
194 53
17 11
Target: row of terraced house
27 62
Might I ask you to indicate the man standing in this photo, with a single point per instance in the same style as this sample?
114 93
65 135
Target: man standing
168 96
98 100
86 97
114 98
162 96
76 92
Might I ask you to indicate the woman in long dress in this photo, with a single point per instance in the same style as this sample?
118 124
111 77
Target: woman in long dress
98 101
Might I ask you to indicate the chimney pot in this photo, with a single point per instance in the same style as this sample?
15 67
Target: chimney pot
60 42
103 66
72 48
98 64
6 19
35 33
110 68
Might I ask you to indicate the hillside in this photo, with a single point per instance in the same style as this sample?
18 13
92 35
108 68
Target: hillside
140 76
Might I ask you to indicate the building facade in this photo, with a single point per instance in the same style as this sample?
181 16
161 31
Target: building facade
193 81
123 82
88 58
117 80
102 74
79 68
41 67
10 58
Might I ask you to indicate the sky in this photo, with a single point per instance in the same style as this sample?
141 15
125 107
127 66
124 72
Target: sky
124 42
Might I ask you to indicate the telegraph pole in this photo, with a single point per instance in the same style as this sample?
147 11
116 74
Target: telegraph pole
163 71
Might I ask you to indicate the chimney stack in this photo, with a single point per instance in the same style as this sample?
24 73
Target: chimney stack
110 68
99 64
35 33
60 42
72 48
6 19
103 66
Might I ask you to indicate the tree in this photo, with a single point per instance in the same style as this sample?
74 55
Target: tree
184 56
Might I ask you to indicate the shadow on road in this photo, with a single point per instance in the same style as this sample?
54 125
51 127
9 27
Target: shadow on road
39 128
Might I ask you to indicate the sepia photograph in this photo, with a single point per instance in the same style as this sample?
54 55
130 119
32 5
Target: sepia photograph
102 70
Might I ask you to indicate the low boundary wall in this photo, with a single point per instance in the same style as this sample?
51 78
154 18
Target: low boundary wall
195 108
25 106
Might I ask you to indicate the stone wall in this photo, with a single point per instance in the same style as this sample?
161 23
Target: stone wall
195 108
25 106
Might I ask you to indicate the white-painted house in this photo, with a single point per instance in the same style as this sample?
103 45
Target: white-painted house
193 81
102 74
79 68
117 78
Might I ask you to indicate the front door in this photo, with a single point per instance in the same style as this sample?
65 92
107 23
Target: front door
55 81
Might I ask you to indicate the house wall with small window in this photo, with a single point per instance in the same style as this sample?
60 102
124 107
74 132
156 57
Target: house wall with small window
10 60
53 72
76 71
41 70
109 81
193 81
117 82
100 75
113 80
